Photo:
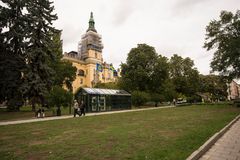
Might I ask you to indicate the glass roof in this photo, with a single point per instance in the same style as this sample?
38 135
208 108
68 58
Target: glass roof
106 91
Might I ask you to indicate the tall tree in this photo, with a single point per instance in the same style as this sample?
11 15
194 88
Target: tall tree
39 76
183 74
64 72
223 36
144 69
215 85
12 55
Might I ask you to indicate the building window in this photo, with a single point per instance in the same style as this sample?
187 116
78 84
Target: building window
95 54
81 81
81 72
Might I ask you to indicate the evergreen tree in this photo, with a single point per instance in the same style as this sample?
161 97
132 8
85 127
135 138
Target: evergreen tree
38 77
12 55
64 72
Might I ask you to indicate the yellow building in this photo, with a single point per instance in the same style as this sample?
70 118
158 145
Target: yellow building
91 69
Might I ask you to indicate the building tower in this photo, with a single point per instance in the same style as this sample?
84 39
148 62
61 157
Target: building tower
90 46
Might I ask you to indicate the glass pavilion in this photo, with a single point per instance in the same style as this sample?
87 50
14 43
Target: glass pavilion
98 100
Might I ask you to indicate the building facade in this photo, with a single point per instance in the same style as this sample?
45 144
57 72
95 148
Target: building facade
91 69
233 91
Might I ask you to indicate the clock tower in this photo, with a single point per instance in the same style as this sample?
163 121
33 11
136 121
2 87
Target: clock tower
90 47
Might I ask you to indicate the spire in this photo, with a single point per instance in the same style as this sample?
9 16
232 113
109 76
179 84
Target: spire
91 23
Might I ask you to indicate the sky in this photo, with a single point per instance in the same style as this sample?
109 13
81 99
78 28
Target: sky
171 26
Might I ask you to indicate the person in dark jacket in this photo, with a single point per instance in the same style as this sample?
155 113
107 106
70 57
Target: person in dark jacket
82 108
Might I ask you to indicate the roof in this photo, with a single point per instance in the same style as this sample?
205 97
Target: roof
106 91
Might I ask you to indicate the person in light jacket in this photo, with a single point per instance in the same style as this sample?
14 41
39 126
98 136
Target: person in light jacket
76 106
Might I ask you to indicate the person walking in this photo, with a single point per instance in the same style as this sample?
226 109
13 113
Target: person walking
76 106
82 108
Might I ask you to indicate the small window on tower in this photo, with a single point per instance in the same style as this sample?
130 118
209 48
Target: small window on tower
81 72
81 81
95 54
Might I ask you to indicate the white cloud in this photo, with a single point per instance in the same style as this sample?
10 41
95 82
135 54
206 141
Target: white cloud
173 26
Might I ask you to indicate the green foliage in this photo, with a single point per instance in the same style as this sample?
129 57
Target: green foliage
157 98
183 74
58 97
223 36
169 91
38 76
12 46
215 85
194 99
144 70
139 98
31 52
64 72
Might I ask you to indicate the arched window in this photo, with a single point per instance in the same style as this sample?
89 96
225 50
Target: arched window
81 72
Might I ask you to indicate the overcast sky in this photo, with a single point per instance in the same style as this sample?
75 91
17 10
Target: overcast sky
171 26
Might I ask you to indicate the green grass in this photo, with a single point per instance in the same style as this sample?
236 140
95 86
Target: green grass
26 113
164 134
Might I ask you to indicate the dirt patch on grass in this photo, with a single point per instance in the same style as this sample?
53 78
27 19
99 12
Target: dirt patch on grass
6 137
37 142
37 155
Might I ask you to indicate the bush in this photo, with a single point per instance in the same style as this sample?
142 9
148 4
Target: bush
139 98
194 99
236 102
59 97
156 98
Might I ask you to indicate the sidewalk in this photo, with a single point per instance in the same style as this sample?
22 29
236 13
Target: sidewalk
71 116
227 147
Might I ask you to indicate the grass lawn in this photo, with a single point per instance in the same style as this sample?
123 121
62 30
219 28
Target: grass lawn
163 134
26 113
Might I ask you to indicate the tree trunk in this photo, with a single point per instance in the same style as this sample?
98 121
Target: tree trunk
33 107
58 111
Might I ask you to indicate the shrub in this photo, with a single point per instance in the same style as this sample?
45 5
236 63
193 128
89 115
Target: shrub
139 98
194 99
156 98
59 97
236 102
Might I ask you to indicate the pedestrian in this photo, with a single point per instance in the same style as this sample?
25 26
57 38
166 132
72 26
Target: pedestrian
82 108
38 113
174 102
76 106
43 113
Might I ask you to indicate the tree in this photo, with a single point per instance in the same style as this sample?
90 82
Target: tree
183 75
12 52
223 36
139 98
144 70
38 76
214 85
64 72
58 97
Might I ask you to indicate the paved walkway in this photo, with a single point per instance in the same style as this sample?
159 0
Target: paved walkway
227 147
71 116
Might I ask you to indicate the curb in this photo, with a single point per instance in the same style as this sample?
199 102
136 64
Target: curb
211 141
